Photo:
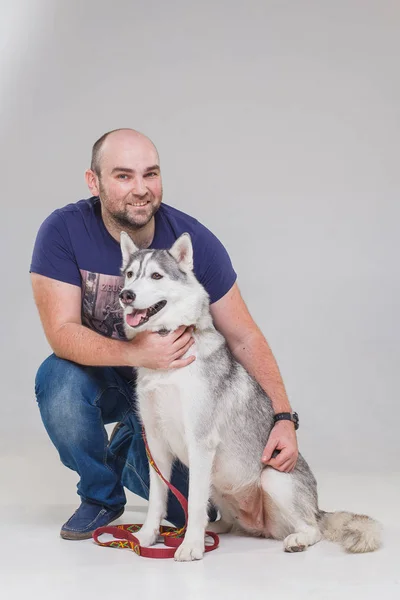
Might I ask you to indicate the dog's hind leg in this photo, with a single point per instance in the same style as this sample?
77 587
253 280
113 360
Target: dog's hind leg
291 516
306 535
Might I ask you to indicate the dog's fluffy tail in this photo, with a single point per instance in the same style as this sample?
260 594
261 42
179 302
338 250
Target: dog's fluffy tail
356 533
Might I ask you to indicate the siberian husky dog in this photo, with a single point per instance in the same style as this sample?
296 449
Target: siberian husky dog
216 419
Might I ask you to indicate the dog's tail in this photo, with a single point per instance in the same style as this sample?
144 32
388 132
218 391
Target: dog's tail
356 533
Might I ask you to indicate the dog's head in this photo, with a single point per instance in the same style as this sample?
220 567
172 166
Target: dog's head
160 290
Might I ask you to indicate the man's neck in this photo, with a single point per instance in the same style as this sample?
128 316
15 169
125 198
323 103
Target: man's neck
142 237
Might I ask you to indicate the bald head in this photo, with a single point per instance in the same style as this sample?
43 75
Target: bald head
120 141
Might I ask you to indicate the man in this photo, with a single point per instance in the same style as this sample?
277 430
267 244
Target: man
89 380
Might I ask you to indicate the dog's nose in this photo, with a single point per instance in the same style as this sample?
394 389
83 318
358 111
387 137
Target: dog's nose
127 296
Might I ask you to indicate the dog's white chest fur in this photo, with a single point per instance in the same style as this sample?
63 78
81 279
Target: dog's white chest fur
161 399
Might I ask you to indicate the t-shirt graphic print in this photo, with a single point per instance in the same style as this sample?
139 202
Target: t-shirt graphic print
101 310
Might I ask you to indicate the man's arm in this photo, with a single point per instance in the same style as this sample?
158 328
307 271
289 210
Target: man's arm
59 306
246 342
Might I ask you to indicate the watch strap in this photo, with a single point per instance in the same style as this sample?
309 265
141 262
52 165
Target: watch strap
287 416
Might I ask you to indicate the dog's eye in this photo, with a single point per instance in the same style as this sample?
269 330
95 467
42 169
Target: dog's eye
129 274
156 276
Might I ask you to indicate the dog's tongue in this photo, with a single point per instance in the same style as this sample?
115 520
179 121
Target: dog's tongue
134 318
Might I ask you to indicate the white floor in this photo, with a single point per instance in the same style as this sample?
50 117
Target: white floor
35 562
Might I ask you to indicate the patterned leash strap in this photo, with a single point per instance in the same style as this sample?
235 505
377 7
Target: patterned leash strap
171 536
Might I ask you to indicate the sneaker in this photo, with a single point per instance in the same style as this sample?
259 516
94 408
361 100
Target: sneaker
86 519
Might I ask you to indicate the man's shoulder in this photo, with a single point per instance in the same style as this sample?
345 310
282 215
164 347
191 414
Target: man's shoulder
84 207
174 214
182 222
65 217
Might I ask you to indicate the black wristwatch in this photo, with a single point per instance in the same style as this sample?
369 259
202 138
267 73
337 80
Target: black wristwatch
286 416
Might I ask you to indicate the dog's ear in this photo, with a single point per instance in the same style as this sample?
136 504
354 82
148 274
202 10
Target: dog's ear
182 251
128 248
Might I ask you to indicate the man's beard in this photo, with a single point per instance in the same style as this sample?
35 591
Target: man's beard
126 220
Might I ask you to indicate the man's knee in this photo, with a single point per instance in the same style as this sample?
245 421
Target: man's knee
60 387
56 377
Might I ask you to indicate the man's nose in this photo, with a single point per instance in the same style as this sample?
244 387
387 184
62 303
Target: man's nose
127 296
139 187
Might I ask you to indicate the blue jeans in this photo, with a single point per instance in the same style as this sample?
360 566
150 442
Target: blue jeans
75 403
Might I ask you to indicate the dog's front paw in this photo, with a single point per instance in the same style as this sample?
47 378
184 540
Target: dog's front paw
147 537
189 551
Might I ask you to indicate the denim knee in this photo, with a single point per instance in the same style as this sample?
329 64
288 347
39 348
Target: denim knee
62 389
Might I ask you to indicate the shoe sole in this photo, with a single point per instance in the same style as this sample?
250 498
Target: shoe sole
87 535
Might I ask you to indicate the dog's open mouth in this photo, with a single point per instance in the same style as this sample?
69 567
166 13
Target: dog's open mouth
138 317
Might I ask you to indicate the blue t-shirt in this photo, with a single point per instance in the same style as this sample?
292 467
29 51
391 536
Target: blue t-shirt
74 246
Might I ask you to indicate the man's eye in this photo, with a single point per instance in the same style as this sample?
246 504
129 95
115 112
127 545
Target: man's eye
129 274
156 276
122 175
151 174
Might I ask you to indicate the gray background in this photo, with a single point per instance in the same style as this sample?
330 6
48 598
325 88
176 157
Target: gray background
278 126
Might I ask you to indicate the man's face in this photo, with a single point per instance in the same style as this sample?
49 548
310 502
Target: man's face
130 186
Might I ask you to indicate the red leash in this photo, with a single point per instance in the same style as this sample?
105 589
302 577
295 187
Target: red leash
172 536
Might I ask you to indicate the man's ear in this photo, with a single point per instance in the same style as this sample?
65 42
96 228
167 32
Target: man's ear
92 182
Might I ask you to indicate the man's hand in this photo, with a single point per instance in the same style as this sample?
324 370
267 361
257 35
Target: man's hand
156 351
283 437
